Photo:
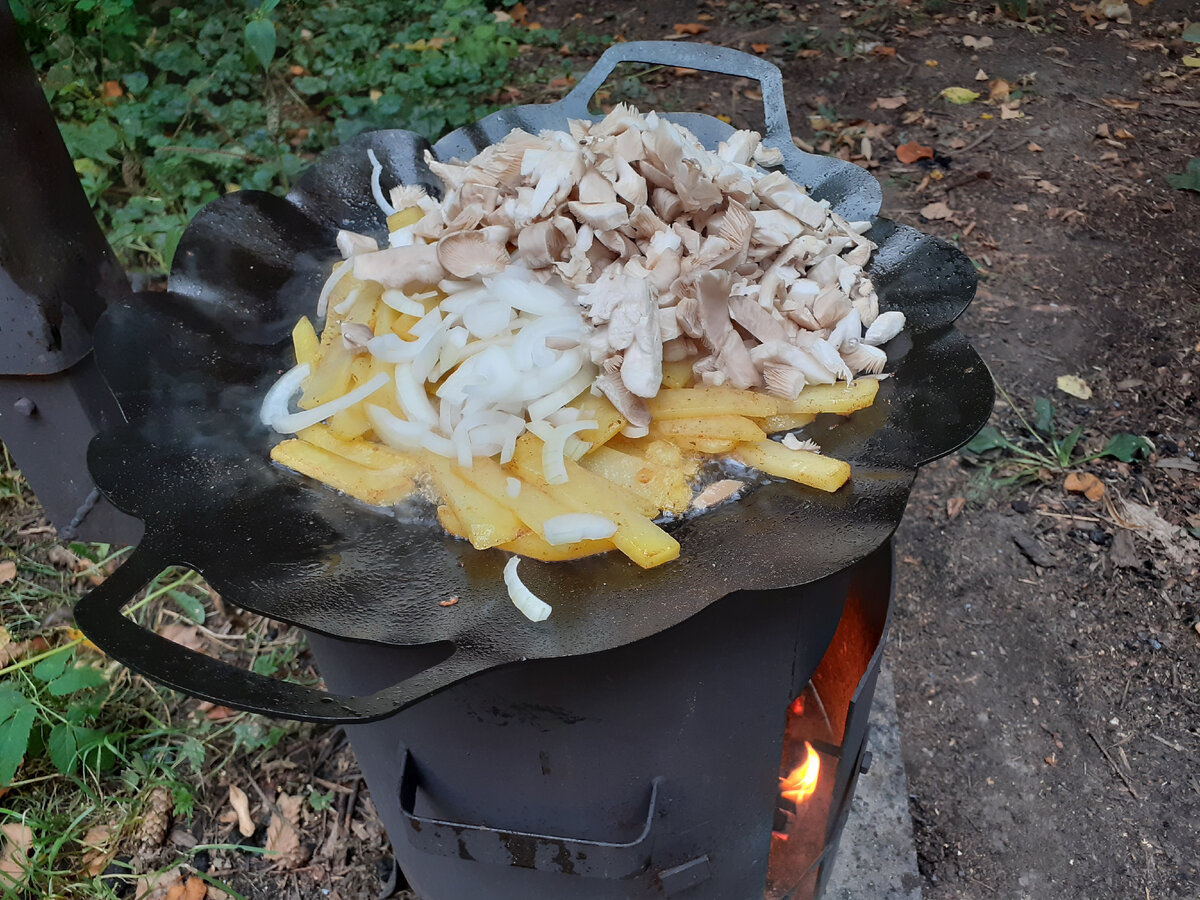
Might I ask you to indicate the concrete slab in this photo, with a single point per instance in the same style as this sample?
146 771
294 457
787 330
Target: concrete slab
877 859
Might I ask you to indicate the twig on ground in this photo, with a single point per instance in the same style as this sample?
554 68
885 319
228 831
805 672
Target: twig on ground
1166 743
1112 762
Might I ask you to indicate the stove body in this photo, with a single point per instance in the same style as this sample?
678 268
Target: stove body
649 770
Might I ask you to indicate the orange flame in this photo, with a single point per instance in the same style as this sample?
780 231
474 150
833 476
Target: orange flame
801 783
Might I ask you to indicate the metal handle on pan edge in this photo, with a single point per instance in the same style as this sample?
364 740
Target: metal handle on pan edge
692 56
546 853
99 616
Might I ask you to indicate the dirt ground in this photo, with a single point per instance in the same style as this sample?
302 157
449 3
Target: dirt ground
1049 691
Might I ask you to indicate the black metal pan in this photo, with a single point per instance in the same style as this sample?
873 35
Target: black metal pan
189 369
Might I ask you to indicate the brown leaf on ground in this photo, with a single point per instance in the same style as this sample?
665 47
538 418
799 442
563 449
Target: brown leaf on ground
1123 553
241 805
185 635
1046 187
689 28
519 13
999 90
62 557
15 841
912 151
97 852
283 833
1124 134
954 506
192 889
1148 524
1034 148
938 210
8 571
977 43
1084 483
882 50
157 885
12 651
1117 103
891 102
760 48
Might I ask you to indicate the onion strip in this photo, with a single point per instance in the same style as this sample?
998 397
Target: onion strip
376 191
572 527
531 606
275 404
293 422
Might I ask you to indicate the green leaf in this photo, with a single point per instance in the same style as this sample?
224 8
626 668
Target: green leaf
260 37
76 679
989 438
959 95
191 607
1043 415
136 82
193 752
14 739
93 140
52 666
63 747
319 801
1192 33
1127 446
1067 447
1189 180
1193 530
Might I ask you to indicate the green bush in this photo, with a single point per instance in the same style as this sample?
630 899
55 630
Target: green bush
165 108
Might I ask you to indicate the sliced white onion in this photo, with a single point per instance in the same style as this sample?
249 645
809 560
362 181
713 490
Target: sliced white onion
526 294
531 606
633 432
346 305
570 528
395 432
512 487
376 191
485 320
411 396
554 442
278 399
402 303
554 401
293 422
435 443
330 283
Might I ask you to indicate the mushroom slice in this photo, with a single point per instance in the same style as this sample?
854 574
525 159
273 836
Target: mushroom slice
629 185
416 265
666 204
768 157
655 176
884 328
739 147
677 349
747 312
774 227
641 370
831 306
466 254
781 192
541 243
628 147
600 216
350 243
556 173
862 357
717 492
355 336
815 372
595 188
687 313
695 189
633 408
783 380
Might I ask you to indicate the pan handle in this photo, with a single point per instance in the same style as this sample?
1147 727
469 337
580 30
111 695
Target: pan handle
707 58
99 616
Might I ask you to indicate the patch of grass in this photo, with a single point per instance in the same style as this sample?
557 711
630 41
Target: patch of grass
164 107
1042 446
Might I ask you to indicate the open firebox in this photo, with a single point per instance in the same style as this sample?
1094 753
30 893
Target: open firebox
693 730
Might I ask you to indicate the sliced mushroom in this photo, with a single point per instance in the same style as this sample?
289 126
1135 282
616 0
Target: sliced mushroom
600 216
595 188
783 380
633 408
666 204
541 243
862 357
884 328
401 267
355 336
350 243
466 254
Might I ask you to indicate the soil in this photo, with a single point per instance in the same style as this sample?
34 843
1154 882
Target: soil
1049 697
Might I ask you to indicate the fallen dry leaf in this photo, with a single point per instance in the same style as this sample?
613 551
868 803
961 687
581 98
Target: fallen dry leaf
15 841
1010 111
1034 148
937 210
241 805
192 889
185 635
283 833
760 48
97 854
954 506
959 95
689 28
912 151
113 89
8 571
1117 103
977 43
999 90
881 50
891 102
1124 134
981 75
810 53
1075 386
1046 187
1084 483
62 557
1148 524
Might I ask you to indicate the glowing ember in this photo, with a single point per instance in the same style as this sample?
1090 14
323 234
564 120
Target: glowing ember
802 781
797 707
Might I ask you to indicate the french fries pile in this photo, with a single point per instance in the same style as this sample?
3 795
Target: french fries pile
625 480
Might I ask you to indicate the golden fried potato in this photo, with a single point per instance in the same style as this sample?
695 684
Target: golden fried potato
812 469
705 401
709 427
786 422
832 398
666 488
379 487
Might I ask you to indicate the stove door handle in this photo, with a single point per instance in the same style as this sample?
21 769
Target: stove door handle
704 57
543 852
98 614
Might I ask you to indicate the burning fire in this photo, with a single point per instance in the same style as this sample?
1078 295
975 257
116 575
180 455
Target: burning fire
801 782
